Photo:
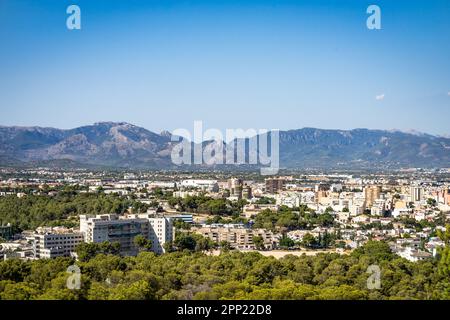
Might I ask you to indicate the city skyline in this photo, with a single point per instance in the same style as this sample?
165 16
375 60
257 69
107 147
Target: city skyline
163 65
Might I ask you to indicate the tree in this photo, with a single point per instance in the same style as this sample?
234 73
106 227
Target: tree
14 269
431 202
203 244
328 210
86 251
343 292
444 262
265 200
180 224
157 192
340 244
266 219
168 246
309 240
325 219
326 240
258 241
42 209
154 204
139 290
375 250
286 242
142 243
225 245
19 291
445 236
185 242
230 275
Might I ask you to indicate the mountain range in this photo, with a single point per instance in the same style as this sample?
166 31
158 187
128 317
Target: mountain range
123 145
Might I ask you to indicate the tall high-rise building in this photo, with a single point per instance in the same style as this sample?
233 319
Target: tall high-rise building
321 196
247 192
371 193
235 186
447 197
273 185
416 194
161 231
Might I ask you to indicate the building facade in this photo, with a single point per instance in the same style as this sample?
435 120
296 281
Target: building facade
235 186
112 228
160 233
371 194
55 242
273 185
237 236
161 230
416 194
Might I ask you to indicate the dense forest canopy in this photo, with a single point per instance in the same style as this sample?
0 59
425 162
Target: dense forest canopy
230 275
43 210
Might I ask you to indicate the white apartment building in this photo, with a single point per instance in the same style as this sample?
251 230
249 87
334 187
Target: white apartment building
55 242
378 207
207 185
416 194
113 228
161 229
289 199
162 184
356 210
414 255
185 194
236 235
400 212
307 197
161 232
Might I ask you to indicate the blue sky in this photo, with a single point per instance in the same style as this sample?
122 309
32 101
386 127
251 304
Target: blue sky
231 64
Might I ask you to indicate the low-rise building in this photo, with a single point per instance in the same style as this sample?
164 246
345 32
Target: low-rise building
253 209
237 236
203 184
414 255
289 199
55 242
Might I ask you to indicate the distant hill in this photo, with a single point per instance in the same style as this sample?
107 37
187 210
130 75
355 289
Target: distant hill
362 148
123 145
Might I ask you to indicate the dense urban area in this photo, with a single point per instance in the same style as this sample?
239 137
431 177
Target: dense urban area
224 235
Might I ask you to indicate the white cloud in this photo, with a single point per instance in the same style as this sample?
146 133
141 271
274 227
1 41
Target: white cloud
448 93
380 97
